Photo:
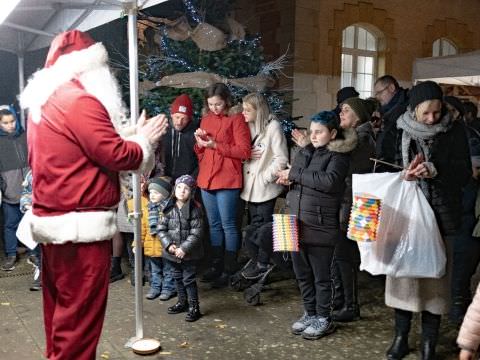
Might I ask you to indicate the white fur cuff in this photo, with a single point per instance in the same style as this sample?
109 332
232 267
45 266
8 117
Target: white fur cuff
77 227
148 161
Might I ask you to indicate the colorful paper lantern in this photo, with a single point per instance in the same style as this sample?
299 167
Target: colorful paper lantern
364 218
285 232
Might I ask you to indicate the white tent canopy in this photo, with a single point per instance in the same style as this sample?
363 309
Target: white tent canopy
33 23
462 69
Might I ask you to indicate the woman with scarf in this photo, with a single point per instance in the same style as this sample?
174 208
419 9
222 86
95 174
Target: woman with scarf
434 151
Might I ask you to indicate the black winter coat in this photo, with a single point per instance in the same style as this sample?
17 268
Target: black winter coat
451 158
360 163
182 227
318 176
388 136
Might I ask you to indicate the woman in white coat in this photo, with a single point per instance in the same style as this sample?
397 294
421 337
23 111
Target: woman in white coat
269 155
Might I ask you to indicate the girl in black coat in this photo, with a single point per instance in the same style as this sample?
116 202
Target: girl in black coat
317 179
180 231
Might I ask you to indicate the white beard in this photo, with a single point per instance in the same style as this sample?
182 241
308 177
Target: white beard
102 84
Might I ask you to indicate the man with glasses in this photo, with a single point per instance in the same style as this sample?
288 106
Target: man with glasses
393 100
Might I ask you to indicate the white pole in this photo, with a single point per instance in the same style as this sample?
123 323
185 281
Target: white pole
21 72
134 113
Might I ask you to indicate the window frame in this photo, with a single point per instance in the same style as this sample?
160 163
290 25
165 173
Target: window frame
441 47
355 52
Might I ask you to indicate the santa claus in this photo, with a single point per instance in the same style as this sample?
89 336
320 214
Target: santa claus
76 154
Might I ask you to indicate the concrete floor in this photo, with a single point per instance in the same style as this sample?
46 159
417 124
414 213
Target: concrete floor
230 328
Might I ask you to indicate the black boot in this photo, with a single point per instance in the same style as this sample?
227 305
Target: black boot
217 265
430 328
350 310
193 312
399 348
338 298
179 307
116 269
231 267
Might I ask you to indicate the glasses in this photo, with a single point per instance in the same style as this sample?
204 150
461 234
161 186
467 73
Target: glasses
381 91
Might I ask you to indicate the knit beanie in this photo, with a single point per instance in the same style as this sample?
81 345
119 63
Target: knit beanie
160 184
186 179
424 91
456 103
327 118
361 108
346 93
183 105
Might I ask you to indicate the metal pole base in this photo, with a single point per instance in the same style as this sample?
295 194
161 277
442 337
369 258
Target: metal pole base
144 346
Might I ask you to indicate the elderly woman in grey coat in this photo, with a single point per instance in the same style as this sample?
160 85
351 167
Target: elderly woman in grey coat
434 151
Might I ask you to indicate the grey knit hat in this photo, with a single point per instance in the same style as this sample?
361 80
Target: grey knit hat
160 184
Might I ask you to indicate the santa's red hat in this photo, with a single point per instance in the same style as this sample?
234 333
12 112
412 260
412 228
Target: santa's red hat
71 54
67 42
183 105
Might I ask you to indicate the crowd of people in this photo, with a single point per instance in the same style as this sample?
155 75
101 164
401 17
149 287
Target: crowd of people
198 176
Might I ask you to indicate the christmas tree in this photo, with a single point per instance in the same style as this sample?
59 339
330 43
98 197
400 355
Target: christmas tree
200 47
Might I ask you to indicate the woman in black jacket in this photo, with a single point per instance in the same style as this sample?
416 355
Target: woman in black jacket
434 150
317 179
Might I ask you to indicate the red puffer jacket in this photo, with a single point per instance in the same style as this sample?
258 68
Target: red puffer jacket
221 168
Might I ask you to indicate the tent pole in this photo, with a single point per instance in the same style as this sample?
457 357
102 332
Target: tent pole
21 72
134 113
138 343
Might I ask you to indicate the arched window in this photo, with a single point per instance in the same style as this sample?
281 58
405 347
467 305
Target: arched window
359 59
443 47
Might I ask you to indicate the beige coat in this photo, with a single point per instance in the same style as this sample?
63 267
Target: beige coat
469 335
259 175
414 294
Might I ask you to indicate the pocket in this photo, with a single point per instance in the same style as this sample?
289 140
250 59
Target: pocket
328 217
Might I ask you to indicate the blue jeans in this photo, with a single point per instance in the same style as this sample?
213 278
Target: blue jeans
161 275
221 208
11 217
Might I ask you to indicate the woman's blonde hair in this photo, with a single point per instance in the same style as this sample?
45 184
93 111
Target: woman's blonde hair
260 105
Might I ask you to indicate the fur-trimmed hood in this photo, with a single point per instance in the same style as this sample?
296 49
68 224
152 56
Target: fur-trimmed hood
234 110
46 81
346 144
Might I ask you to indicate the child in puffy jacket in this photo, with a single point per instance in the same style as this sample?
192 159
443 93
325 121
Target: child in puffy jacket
180 231
161 278
317 182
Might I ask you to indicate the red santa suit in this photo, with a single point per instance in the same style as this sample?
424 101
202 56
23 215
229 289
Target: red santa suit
76 154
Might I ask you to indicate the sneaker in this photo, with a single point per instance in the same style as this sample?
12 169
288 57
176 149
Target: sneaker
255 272
167 295
152 294
9 263
33 260
318 328
36 284
301 324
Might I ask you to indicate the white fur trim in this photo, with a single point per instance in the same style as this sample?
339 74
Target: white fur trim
148 161
77 227
127 131
45 81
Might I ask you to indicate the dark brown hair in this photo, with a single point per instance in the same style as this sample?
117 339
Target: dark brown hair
220 90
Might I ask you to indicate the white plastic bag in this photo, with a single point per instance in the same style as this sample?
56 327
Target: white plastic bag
409 243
